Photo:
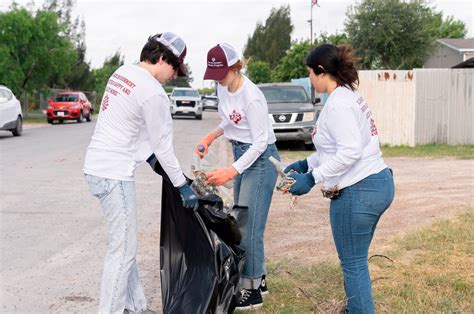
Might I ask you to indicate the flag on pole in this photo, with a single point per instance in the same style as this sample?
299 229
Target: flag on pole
314 2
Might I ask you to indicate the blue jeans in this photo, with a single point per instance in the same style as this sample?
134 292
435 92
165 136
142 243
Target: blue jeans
354 215
120 288
254 189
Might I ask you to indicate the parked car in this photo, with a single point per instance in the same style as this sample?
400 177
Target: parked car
11 117
69 106
291 111
209 102
186 101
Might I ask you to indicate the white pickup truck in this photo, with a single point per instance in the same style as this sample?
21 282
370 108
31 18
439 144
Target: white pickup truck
186 101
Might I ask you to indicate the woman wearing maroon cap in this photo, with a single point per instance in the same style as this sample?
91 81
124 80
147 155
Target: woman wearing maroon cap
244 113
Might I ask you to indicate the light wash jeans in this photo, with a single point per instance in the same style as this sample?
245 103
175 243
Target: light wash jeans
254 189
354 215
121 288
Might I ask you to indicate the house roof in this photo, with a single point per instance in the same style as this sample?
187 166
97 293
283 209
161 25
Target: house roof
461 45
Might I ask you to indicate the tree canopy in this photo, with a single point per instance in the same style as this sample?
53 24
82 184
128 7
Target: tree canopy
258 71
396 34
81 77
270 41
33 49
182 81
292 65
447 28
103 74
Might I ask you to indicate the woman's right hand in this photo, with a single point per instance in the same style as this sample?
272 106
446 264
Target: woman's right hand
300 166
202 146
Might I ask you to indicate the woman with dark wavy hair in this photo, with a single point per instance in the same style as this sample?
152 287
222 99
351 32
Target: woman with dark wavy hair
349 165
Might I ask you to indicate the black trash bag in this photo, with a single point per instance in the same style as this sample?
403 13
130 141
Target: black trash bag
225 226
200 259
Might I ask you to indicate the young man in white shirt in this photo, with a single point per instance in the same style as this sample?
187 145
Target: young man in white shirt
134 125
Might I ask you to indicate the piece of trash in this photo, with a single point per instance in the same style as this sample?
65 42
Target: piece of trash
286 182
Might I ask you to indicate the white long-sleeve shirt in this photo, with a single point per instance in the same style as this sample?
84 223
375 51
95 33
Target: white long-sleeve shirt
346 140
134 122
245 119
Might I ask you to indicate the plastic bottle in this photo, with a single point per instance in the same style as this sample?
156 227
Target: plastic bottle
278 166
198 169
209 162
286 182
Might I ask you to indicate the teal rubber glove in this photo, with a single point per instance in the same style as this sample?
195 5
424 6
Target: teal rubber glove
300 166
190 200
304 183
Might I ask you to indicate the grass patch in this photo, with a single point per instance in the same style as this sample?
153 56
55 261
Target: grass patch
422 151
315 288
34 120
431 272
432 150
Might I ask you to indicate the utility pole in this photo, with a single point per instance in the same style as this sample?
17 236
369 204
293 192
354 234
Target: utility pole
310 21
311 26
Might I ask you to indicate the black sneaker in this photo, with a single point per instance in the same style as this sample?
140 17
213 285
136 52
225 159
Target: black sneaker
250 299
263 287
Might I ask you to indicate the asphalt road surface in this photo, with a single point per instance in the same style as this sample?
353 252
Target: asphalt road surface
53 238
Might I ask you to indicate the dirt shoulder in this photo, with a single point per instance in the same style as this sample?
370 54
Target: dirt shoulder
426 189
35 125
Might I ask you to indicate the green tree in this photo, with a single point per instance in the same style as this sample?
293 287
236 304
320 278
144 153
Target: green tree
447 28
396 34
293 65
103 74
335 39
269 42
80 78
168 89
207 91
63 9
390 34
258 71
33 49
182 81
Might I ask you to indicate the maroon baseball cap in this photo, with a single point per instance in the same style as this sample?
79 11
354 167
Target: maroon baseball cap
176 44
219 59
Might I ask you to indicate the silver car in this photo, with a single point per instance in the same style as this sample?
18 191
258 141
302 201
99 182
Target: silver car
186 101
292 112
210 102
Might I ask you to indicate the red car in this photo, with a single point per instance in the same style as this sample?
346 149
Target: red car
69 106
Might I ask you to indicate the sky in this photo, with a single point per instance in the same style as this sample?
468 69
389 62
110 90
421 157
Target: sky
126 25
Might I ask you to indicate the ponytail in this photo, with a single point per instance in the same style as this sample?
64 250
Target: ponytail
346 71
337 61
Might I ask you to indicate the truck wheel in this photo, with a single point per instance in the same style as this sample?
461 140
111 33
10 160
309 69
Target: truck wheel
199 117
